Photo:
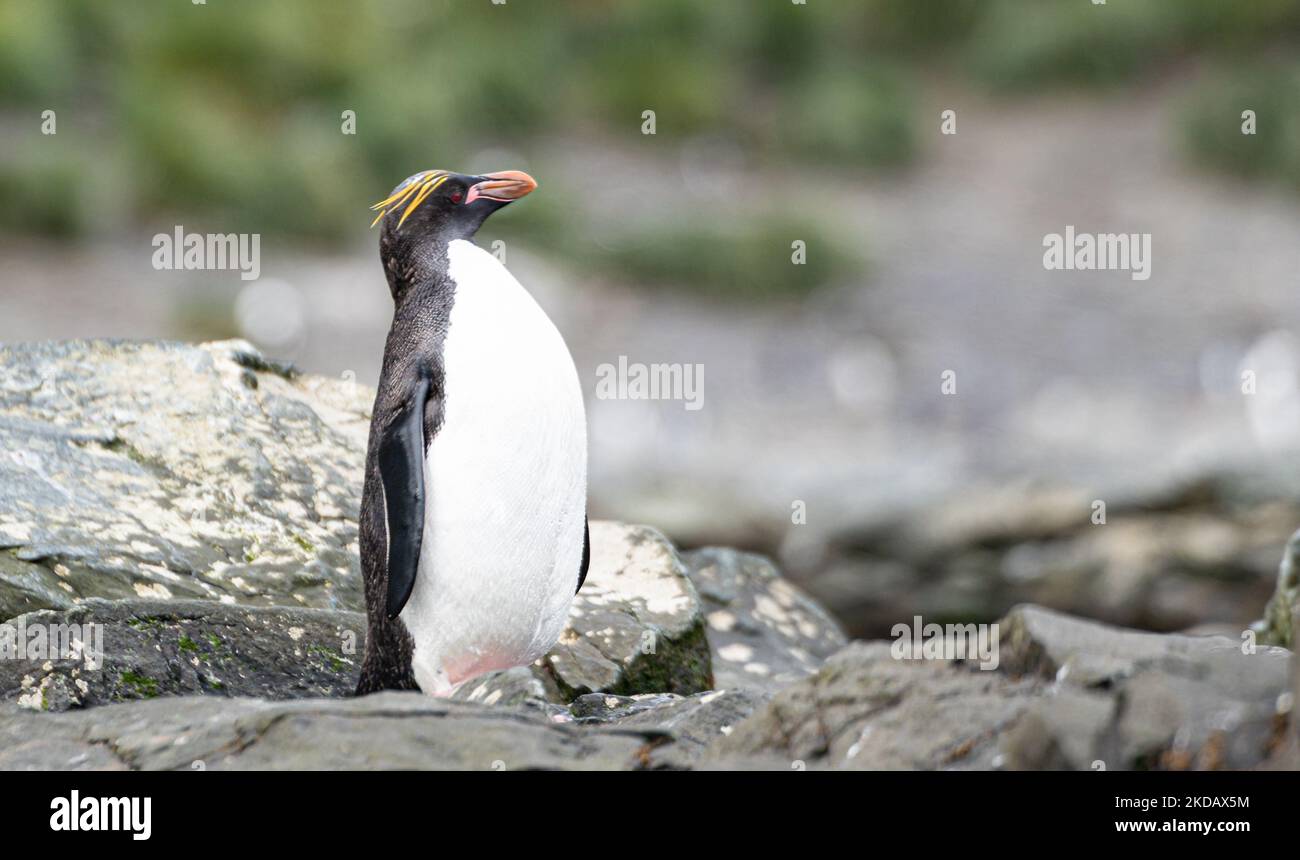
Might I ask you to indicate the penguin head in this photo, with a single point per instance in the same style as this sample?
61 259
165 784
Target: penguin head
443 206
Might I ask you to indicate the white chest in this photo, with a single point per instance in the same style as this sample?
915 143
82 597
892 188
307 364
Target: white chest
506 484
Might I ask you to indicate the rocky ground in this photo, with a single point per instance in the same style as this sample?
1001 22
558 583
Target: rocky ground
198 505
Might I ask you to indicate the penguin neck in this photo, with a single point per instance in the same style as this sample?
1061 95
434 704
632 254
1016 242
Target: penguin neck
419 273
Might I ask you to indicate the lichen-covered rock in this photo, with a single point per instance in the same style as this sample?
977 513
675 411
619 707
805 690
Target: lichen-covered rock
764 633
1278 624
156 648
195 506
636 628
164 470
637 625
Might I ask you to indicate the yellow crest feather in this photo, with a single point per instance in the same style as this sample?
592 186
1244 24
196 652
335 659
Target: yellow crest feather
416 190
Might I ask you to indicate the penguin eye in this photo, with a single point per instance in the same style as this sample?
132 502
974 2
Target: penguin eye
457 196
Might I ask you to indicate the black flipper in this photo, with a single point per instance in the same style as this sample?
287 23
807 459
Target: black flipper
586 555
401 466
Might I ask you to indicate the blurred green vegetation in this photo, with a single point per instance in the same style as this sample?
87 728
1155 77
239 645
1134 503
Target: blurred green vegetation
1211 121
1019 46
735 261
229 113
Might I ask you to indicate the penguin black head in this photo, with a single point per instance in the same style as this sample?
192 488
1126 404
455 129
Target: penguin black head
442 206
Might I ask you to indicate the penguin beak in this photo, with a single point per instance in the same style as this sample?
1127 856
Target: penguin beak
503 187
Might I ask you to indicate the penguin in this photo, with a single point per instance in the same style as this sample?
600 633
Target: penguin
473 522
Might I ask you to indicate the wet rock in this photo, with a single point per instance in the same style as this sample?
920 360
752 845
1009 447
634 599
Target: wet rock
171 648
764 633
155 470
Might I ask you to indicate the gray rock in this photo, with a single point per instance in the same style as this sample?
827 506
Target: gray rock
864 710
168 648
1172 553
175 472
695 722
387 730
1068 694
1034 640
636 628
764 633
637 625
383 731
170 471
518 686
1127 699
196 507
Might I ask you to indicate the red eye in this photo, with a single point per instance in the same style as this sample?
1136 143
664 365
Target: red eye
457 196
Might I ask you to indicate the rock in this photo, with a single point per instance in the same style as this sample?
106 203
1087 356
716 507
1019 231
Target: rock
1034 640
243 480
764 633
518 686
1068 694
1171 554
1143 700
1278 626
864 710
168 648
171 471
637 625
1287 754
695 722
184 517
384 731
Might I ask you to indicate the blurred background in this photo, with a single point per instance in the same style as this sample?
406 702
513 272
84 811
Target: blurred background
775 123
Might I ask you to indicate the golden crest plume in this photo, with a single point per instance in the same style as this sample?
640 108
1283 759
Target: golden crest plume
415 189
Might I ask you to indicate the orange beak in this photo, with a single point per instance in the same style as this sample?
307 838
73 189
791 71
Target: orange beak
503 187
